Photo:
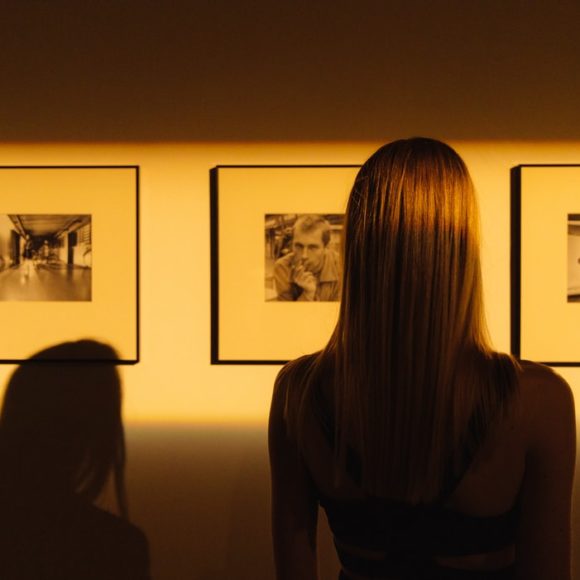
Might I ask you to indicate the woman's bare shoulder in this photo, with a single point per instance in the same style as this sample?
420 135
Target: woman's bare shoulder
545 397
539 383
543 543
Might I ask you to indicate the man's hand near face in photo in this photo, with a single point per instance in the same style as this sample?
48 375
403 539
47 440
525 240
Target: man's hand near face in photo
306 280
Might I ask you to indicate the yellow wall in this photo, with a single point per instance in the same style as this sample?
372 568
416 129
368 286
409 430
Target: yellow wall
174 380
198 473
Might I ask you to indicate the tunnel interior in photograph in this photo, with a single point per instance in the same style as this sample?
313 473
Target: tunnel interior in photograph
45 257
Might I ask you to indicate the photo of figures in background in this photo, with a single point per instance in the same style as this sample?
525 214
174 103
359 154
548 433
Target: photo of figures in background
574 257
45 257
303 261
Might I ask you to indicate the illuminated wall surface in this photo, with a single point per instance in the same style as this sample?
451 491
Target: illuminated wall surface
198 476
174 381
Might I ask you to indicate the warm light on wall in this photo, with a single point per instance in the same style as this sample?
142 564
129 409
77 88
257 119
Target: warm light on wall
174 382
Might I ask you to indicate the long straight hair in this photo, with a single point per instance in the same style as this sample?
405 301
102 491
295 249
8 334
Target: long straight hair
416 384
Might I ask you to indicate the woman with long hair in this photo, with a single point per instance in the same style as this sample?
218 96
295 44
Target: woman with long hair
433 456
61 446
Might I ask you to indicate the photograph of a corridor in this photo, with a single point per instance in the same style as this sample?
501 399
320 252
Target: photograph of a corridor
45 257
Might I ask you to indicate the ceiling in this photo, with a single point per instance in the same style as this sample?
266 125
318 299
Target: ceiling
144 70
45 225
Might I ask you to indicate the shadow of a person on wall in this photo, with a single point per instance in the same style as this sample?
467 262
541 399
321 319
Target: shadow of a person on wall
61 443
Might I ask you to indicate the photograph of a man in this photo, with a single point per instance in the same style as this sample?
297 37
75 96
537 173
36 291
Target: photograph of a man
307 267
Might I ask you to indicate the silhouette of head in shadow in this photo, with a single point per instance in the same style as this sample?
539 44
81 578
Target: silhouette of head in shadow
61 442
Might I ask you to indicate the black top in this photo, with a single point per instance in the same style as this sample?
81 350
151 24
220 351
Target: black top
379 538
388 539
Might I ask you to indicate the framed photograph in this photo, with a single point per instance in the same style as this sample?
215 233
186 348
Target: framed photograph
276 239
545 279
69 258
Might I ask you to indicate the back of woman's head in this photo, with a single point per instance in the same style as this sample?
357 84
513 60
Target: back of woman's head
60 428
412 366
412 248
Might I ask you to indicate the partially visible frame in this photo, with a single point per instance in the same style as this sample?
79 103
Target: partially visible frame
545 263
69 235
247 326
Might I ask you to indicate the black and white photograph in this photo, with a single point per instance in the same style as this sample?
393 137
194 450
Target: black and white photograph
276 260
303 261
45 257
574 257
69 257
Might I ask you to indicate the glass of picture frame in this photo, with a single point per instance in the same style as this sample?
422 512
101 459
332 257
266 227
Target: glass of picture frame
69 265
259 313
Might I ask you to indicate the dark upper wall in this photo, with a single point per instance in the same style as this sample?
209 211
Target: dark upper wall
98 70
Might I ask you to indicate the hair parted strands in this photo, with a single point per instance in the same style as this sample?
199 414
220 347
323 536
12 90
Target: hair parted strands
416 384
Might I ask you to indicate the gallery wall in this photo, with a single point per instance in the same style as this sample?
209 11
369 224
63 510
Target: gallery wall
179 87
198 473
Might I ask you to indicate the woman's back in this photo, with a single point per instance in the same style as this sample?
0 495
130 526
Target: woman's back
501 518
420 440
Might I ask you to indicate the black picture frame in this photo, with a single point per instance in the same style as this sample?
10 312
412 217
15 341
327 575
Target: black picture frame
110 195
244 327
545 321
